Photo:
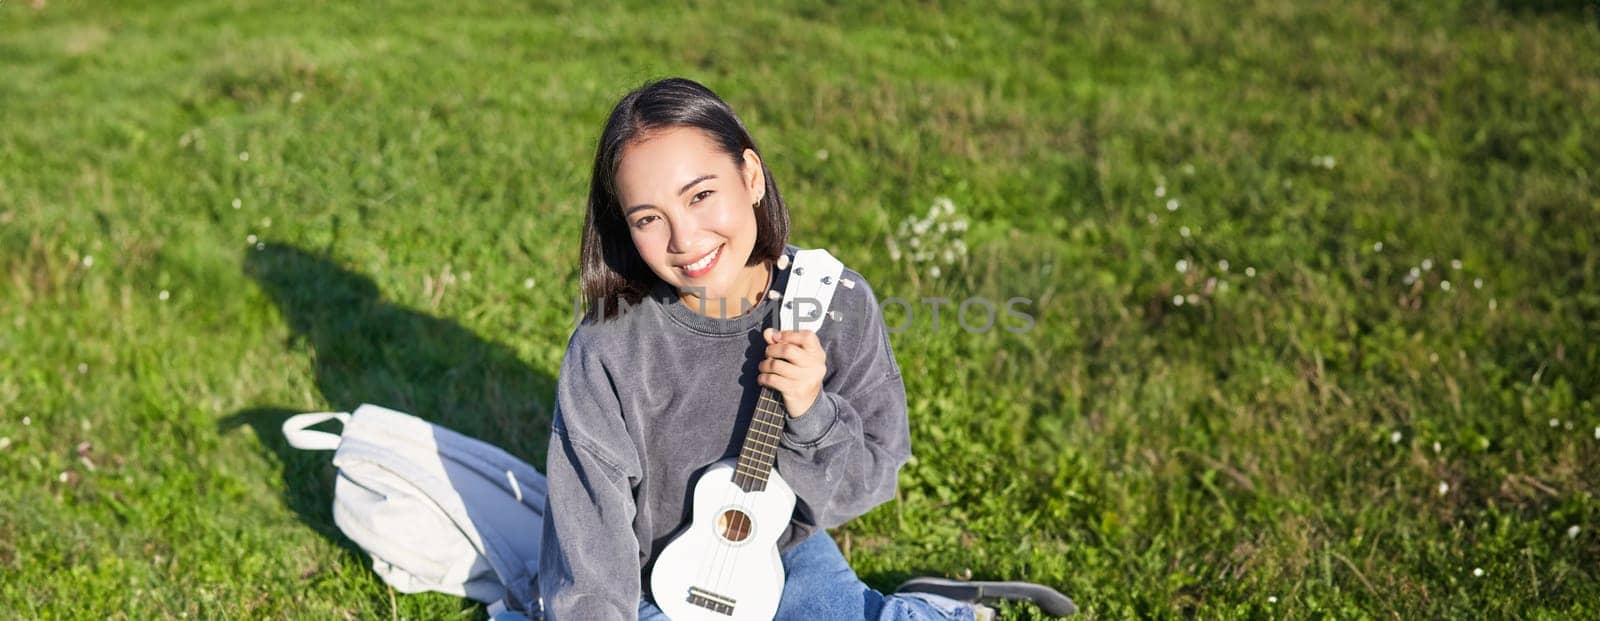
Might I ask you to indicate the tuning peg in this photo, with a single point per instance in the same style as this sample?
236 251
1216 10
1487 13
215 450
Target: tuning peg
783 261
772 294
848 284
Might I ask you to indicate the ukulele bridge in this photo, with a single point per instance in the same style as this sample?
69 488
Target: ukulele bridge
711 601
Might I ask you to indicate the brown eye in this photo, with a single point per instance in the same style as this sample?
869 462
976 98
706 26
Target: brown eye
700 195
642 221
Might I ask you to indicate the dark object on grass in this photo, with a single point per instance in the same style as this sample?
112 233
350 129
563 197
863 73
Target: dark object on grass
1046 598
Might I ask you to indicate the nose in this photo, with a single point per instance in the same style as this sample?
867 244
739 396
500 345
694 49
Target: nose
682 226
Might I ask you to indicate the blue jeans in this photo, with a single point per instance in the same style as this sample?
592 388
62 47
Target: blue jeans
821 585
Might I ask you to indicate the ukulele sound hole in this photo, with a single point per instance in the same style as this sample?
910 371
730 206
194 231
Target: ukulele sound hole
733 525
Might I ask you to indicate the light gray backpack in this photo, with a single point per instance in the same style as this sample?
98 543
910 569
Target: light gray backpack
437 510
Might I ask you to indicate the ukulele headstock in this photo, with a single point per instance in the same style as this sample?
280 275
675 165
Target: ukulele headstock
814 276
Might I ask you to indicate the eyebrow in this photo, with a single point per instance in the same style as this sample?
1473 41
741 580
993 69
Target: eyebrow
681 190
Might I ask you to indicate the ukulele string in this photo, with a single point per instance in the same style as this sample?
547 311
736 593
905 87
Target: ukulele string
722 558
725 565
741 499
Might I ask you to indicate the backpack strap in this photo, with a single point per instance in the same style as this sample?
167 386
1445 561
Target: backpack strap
296 432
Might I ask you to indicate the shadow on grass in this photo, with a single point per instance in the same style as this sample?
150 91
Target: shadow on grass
369 350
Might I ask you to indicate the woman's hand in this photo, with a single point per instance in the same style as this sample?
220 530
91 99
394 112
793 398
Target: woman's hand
794 367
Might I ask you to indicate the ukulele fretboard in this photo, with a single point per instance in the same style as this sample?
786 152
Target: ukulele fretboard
760 443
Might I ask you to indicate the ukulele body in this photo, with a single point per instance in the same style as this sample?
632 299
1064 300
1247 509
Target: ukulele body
724 564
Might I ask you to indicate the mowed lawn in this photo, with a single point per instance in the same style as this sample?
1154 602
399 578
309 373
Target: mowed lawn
1312 322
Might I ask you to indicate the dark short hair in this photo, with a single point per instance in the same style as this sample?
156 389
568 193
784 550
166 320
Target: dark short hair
611 272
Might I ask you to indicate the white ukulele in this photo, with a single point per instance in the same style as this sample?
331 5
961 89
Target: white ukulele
724 564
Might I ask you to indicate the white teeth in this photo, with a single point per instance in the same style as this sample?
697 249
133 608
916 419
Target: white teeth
702 263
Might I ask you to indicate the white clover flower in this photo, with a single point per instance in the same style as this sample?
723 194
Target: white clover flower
1250 271
237 203
164 295
1182 266
244 156
1161 191
959 225
1193 299
62 477
1188 169
960 246
1477 572
822 154
5 443
1572 531
88 260
916 242
1444 488
527 283
1272 599
250 239
266 222
1172 204
919 227
934 271
949 256
296 96
1444 284
894 253
1477 283
943 228
1395 437
1455 264
261 246
1492 304
1152 218
1183 231
1177 300
1436 447
27 420
1427 264
1377 246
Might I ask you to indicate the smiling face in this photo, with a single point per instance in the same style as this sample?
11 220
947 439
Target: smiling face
690 210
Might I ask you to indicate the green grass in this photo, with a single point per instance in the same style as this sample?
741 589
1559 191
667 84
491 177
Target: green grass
1274 446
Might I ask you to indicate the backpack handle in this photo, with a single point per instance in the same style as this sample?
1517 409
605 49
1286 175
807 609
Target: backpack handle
296 432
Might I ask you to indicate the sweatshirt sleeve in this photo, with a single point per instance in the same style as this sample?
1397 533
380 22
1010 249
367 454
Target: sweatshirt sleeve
843 456
589 564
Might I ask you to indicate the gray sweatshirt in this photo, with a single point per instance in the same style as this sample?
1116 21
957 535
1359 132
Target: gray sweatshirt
648 399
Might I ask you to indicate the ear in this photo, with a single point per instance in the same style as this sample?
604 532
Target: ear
755 180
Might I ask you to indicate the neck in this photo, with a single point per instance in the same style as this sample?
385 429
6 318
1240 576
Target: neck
760 442
751 285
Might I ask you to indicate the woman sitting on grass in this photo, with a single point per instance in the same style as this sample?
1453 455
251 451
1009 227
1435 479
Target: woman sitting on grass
660 379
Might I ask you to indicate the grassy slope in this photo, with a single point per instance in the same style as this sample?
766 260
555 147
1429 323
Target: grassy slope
1150 458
